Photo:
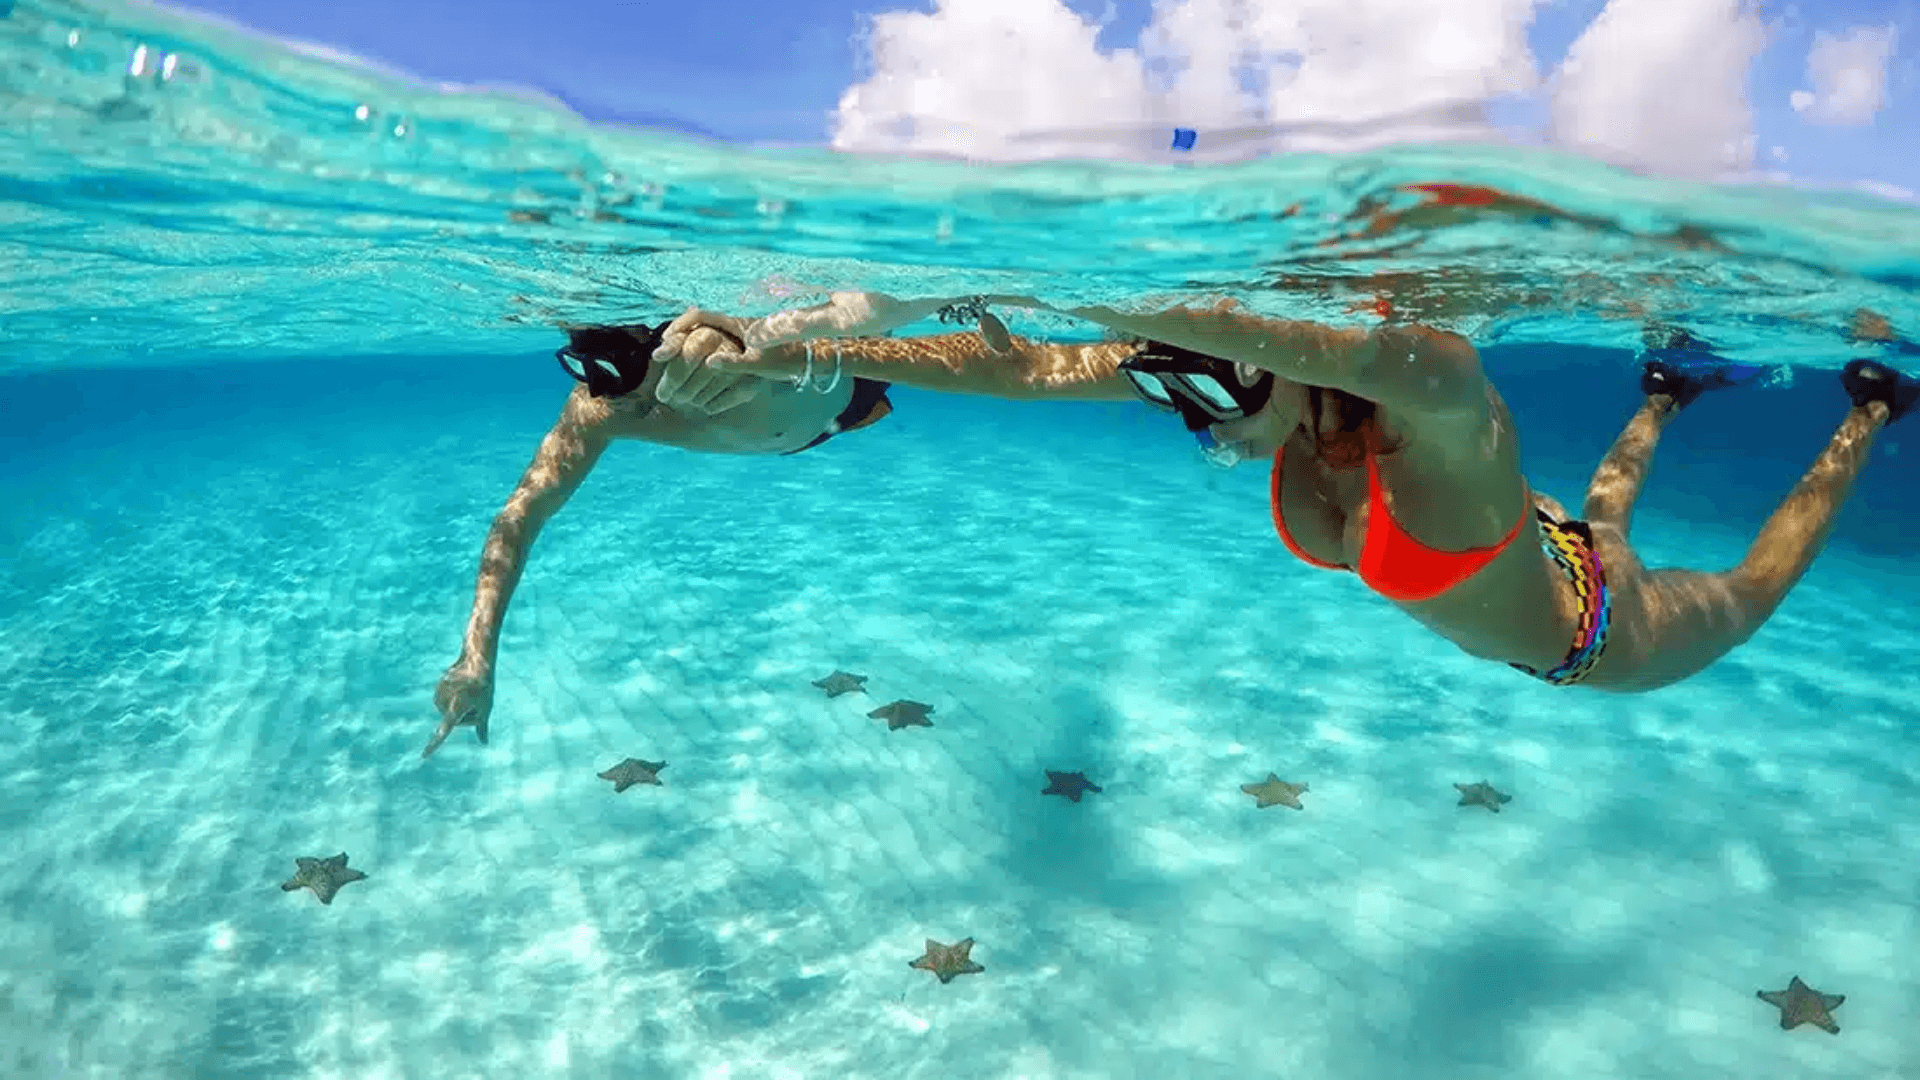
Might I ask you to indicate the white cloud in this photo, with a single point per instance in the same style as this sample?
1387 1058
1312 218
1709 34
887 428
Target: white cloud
1885 190
973 76
1361 60
1661 85
1849 76
1653 84
1024 78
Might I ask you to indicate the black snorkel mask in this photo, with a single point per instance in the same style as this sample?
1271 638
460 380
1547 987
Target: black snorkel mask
609 360
1204 390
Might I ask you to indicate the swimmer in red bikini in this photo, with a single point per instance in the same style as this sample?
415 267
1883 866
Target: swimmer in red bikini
1393 457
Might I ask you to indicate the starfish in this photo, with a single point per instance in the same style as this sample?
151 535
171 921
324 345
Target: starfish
633 771
1482 794
323 876
1275 792
841 682
903 713
1070 784
1802 1004
946 961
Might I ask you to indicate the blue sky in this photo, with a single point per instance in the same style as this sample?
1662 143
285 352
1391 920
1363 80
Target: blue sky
756 71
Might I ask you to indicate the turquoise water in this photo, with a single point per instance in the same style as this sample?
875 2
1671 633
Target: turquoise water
271 366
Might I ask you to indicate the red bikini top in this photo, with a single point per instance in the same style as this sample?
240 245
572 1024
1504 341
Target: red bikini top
1392 562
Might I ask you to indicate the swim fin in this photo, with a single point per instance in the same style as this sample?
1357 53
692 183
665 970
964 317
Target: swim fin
1870 380
1684 374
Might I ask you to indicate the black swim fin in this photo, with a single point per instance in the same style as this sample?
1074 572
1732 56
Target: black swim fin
1870 380
1659 378
1684 386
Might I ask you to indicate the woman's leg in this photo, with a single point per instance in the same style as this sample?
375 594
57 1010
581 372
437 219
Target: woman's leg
1688 619
1798 529
1616 483
1685 369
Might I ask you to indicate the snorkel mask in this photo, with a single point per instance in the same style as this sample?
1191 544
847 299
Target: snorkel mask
610 361
1203 390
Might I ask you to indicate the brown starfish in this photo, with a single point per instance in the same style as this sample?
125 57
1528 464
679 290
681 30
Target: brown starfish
1482 794
1275 792
946 961
903 713
633 771
842 682
1070 784
1802 1004
323 876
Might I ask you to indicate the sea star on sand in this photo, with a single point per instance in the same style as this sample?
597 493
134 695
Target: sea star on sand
323 876
1802 1004
842 682
1482 794
634 771
1070 784
903 713
1275 792
946 961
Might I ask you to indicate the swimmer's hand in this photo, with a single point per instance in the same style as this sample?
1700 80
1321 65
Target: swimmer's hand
689 384
464 696
707 343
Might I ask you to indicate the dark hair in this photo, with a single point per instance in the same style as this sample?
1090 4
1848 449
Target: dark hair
613 341
1356 428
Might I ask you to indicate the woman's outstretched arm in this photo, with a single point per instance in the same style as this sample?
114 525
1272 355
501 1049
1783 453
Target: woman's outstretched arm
1411 369
990 362
966 364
